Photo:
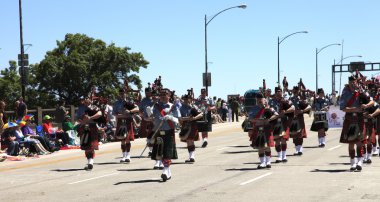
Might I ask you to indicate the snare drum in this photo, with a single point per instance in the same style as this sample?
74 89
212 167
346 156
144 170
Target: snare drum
320 116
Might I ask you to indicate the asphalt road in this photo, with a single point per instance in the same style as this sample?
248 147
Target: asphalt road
224 171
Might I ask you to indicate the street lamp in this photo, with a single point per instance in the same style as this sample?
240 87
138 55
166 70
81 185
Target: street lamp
278 52
352 56
243 6
316 62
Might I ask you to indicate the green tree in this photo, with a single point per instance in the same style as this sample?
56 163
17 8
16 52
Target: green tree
10 87
80 62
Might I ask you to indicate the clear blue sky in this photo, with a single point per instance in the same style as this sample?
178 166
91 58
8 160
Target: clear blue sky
242 43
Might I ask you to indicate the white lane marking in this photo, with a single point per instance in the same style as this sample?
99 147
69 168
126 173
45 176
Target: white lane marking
257 178
222 148
336 147
94 178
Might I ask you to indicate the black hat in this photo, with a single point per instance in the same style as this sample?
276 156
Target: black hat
296 88
203 90
351 78
320 90
186 96
277 89
165 91
148 90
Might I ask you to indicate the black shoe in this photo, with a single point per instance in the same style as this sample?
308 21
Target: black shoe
89 167
323 145
260 167
300 153
156 168
358 168
165 177
149 154
161 168
204 144
369 161
269 166
127 160
191 160
278 161
284 160
352 168
296 154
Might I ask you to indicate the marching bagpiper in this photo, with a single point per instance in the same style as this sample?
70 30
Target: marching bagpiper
320 124
353 125
261 116
146 128
123 109
285 109
297 129
89 132
189 130
206 105
165 117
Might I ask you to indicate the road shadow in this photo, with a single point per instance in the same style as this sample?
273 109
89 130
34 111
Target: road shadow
239 146
240 169
68 170
107 163
137 169
138 182
238 152
330 171
181 147
311 147
179 163
340 163
138 157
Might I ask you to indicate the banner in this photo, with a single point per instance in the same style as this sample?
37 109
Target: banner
335 117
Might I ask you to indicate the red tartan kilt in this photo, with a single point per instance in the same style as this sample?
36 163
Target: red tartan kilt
194 134
253 134
146 128
377 125
93 137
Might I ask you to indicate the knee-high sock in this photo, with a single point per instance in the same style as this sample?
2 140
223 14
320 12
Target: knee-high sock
166 162
123 148
128 147
90 154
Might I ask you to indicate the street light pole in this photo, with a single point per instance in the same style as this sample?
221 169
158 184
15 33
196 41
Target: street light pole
278 52
243 6
22 53
316 62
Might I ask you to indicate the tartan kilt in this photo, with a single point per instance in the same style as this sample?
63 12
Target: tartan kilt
369 130
353 129
193 135
89 136
146 128
165 146
262 138
297 127
125 126
377 125
280 129
315 126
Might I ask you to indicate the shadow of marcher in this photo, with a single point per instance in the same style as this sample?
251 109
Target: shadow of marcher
329 171
137 169
138 182
240 169
68 170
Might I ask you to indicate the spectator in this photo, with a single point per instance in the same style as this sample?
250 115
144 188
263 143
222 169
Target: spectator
50 130
70 129
60 113
235 109
224 110
81 108
218 106
3 119
35 145
30 134
10 139
22 109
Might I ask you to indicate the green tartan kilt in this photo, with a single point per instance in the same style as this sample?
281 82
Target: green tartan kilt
164 146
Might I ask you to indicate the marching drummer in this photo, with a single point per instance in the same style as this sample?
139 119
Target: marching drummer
320 124
189 130
208 106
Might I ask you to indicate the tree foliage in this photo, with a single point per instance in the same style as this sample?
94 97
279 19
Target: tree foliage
10 86
79 62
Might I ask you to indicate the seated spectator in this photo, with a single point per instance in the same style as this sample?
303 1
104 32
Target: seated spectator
35 145
10 139
70 129
30 134
50 130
